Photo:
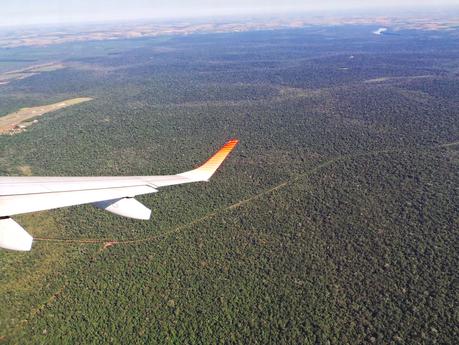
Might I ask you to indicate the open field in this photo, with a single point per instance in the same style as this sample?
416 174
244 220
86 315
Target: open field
28 72
16 122
333 222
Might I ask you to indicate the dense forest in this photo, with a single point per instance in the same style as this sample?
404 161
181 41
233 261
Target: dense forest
335 221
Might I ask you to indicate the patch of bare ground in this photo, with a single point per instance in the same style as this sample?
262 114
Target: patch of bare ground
25 170
384 79
27 72
18 121
108 245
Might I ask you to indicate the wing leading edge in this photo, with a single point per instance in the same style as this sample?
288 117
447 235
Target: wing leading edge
115 194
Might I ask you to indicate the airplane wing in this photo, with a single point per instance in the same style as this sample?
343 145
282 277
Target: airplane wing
114 194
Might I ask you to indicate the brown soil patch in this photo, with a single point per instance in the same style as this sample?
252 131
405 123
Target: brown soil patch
16 122
25 170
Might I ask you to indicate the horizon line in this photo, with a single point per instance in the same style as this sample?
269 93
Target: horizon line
397 11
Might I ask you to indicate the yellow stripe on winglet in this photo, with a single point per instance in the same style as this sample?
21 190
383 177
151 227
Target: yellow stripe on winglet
205 171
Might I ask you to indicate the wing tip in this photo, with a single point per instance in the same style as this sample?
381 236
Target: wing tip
206 170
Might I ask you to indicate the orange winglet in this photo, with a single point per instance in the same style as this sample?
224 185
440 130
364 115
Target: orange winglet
205 171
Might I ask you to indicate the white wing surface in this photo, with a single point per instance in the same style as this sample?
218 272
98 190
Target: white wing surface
115 194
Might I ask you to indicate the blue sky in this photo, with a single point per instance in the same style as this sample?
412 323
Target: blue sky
70 11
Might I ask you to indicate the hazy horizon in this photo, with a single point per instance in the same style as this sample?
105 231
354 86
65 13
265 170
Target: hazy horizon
75 12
